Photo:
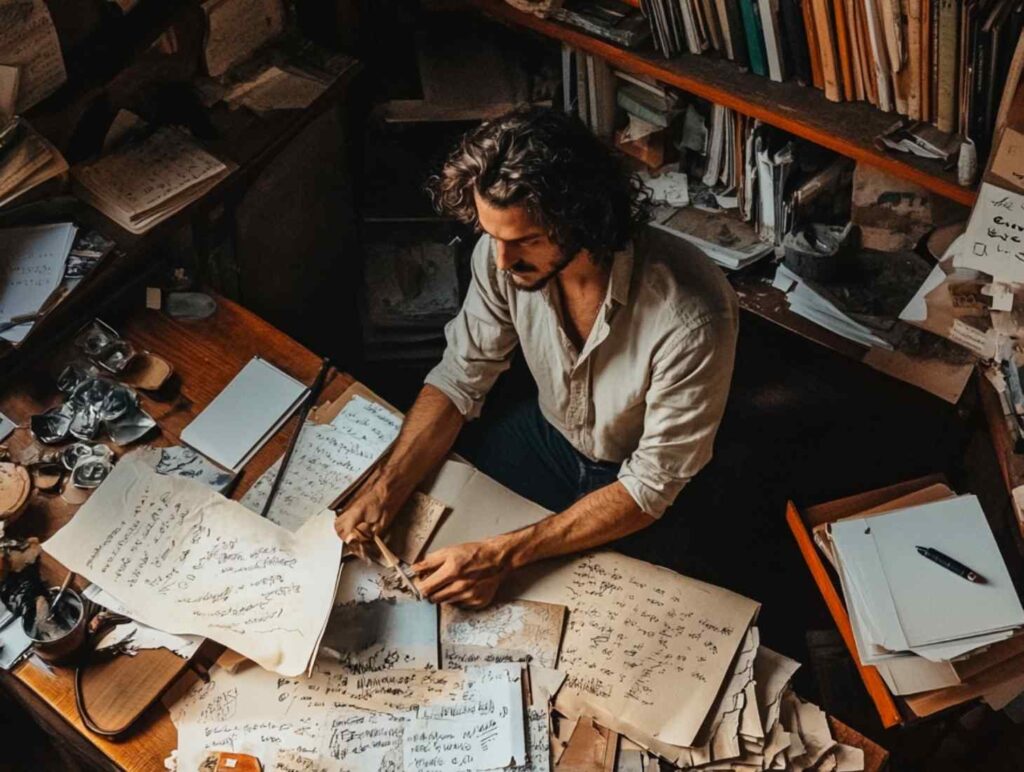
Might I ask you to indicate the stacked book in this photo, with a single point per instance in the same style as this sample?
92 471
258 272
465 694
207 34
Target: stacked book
412 291
929 597
936 61
148 176
27 160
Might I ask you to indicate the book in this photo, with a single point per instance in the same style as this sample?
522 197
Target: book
947 36
770 24
754 36
830 67
795 40
147 180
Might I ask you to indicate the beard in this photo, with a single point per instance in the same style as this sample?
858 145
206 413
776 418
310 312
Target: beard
540 283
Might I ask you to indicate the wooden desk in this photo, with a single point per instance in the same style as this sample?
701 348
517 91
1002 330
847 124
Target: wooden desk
205 355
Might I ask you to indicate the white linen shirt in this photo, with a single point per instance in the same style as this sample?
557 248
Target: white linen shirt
649 386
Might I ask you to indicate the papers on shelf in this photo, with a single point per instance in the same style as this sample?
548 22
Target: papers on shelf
328 460
198 563
29 42
804 301
32 261
900 602
722 235
238 28
28 163
145 181
277 89
242 417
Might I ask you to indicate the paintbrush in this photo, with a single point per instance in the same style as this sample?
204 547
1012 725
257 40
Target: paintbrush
392 560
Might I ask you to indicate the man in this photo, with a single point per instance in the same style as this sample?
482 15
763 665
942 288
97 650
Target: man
631 348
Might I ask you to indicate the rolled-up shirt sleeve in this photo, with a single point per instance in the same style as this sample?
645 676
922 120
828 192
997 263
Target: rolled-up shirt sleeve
480 339
689 386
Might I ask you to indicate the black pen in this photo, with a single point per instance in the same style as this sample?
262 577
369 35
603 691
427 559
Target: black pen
950 564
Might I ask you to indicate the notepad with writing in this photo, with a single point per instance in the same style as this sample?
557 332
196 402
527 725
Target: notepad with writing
249 410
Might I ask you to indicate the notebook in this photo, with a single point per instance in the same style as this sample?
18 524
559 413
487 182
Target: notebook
249 410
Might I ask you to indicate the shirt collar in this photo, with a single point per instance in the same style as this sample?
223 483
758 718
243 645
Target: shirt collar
622 273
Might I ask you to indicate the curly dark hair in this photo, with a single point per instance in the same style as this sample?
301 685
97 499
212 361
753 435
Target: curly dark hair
547 160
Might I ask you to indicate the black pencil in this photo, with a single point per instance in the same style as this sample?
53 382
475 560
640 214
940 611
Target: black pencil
311 398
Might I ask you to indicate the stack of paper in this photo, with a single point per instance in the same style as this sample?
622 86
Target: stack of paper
722 235
32 262
904 605
27 160
805 301
145 181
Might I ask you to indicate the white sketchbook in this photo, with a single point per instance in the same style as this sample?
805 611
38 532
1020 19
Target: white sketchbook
250 409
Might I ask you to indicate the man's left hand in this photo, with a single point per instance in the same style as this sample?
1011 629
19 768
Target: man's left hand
466 574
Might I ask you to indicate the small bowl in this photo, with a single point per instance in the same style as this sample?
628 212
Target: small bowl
64 648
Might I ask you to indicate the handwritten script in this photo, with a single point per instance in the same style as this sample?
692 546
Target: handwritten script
644 646
188 560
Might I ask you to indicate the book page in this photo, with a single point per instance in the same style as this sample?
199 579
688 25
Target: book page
237 28
187 560
29 40
31 267
646 650
141 176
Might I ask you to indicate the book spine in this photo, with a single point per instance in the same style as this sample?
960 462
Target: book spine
813 45
723 23
768 11
755 37
948 43
645 112
829 59
739 36
795 39
842 38
913 65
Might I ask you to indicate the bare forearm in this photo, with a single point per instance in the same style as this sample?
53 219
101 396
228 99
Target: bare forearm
428 433
600 517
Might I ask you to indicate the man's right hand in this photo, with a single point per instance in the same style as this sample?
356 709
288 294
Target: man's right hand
366 516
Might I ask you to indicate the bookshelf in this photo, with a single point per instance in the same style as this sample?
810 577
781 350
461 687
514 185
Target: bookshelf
848 128
250 142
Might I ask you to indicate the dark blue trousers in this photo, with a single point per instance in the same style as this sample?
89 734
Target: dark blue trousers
521 450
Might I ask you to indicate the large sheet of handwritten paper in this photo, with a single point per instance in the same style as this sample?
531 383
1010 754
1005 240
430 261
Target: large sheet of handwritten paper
646 650
994 240
311 714
32 264
188 560
29 41
328 460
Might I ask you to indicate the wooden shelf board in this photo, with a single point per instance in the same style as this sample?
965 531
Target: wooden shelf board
848 128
